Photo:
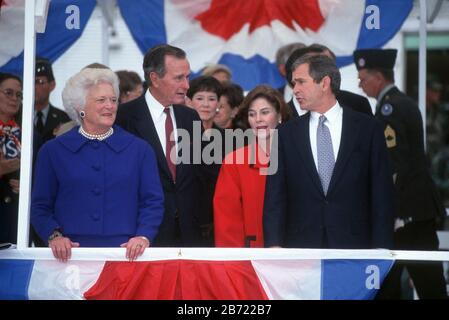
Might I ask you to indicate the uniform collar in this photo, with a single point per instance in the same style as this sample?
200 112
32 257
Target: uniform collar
384 91
44 112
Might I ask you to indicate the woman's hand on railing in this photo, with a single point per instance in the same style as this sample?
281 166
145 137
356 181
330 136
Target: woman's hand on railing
62 248
135 247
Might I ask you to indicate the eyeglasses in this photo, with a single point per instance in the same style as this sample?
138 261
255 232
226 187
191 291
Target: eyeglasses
40 81
11 93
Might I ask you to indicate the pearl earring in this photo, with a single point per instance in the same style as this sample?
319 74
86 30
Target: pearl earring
82 114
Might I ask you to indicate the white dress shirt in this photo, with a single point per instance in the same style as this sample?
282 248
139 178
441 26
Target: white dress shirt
159 116
334 121
288 93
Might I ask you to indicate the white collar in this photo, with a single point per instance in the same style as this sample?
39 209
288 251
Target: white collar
331 115
156 108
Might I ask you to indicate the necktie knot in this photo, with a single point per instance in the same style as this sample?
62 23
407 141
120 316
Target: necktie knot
322 120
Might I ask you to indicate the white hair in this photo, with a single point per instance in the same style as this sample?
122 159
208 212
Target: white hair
77 87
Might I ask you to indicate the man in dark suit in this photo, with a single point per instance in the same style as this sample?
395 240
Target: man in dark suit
346 98
418 203
47 118
159 117
333 187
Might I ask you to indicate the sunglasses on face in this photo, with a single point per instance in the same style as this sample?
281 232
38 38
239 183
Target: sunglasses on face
11 93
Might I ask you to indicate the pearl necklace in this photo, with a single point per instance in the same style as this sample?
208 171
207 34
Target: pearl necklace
99 137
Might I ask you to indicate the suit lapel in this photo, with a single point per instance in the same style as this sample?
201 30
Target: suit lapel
52 121
293 109
181 124
301 137
350 129
144 125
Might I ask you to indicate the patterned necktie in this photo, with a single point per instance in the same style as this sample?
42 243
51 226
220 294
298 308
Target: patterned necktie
40 122
325 153
169 143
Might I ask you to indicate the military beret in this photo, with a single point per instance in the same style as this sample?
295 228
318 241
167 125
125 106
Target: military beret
43 68
375 58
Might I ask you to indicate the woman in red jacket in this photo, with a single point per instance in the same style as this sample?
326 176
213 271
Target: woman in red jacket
239 193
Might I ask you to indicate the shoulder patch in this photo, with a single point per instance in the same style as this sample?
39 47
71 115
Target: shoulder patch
386 109
390 137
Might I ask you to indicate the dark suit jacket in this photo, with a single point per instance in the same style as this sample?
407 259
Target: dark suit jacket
354 101
55 118
294 113
182 205
357 211
416 193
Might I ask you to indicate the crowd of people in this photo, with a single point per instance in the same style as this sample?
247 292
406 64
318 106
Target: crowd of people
134 163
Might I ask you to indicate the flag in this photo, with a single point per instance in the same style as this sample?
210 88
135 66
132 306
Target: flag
66 21
11 26
245 35
191 279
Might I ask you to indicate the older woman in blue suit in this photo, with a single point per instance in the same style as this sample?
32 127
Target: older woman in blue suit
96 185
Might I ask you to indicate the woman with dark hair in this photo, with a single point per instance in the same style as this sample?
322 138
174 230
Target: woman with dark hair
130 85
203 95
228 106
239 194
10 135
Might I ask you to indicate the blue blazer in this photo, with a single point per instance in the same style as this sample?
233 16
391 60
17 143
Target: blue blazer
100 193
357 211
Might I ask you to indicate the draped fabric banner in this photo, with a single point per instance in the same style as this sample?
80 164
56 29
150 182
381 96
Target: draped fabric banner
245 35
259 278
65 23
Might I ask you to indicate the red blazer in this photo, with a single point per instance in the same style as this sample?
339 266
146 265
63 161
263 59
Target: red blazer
239 199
